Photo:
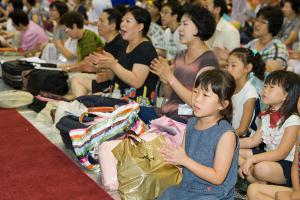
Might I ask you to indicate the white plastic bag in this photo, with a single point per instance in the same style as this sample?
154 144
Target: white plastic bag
15 98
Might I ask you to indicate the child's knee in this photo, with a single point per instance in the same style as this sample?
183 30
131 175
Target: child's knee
261 170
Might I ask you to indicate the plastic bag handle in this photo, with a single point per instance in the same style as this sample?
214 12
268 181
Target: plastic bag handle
133 137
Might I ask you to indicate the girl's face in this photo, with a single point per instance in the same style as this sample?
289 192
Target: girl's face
187 30
237 68
273 95
205 103
130 28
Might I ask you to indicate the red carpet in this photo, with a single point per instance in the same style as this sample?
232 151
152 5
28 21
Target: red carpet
33 168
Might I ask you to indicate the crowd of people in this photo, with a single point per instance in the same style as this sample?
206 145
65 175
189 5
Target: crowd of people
230 70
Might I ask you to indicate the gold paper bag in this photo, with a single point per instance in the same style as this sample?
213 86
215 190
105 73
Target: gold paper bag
142 172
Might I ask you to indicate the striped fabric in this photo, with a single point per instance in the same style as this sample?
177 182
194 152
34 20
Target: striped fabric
86 141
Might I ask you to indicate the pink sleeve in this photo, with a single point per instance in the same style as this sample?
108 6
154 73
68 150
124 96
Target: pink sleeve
30 39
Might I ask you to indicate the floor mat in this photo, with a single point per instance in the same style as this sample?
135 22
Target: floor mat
33 168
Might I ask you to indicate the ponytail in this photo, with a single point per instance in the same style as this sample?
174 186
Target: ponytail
258 66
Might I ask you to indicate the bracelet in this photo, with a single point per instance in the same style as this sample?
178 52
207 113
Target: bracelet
172 81
115 62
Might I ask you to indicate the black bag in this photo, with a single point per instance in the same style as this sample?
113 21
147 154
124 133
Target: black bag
98 101
68 123
12 72
37 105
48 81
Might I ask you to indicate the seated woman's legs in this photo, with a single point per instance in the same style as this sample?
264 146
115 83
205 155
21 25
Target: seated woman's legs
81 85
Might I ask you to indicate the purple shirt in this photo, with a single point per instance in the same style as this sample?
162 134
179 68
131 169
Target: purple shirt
186 75
33 36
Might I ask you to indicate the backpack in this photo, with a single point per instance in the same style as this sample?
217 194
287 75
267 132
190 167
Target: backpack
47 81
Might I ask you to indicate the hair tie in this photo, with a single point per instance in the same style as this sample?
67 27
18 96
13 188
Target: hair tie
255 52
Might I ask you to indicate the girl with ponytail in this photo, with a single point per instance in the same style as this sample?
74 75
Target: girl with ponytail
242 62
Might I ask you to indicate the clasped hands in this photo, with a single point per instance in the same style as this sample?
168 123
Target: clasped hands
94 63
101 60
160 67
174 155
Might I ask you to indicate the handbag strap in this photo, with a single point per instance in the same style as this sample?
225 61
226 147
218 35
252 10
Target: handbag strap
101 109
95 111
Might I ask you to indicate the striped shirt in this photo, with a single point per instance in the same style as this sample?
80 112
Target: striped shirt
275 50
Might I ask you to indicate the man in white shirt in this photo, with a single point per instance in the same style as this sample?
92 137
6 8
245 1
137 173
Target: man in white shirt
226 37
171 13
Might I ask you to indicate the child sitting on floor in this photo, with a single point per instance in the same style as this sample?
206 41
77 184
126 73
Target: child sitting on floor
278 131
210 151
241 62
265 192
